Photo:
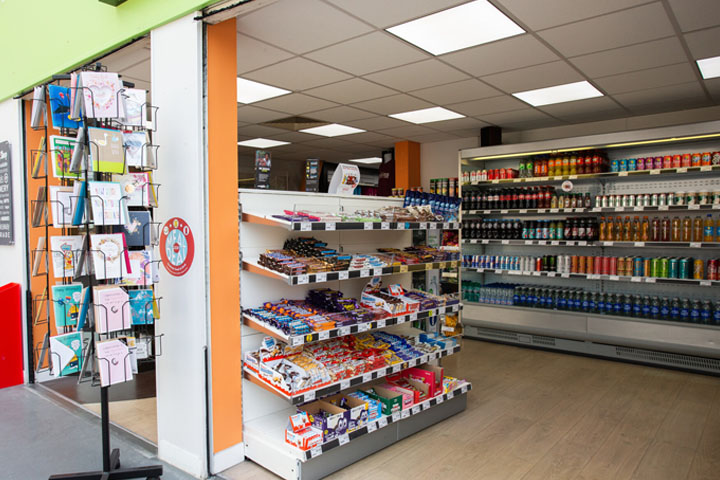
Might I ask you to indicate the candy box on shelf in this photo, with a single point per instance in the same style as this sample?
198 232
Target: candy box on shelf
410 395
299 421
330 419
304 439
391 401
430 375
374 407
357 408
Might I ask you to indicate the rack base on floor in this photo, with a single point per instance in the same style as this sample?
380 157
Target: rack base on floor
115 473
264 444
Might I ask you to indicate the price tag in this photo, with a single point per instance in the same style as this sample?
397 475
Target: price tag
330 227
541 210
663 207
542 242
655 171
497 270
315 451
523 210
551 274
343 275
343 331
450 395
371 427
382 423
649 280
619 209
694 207
636 279
705 283
401 226
565 275
638 209
305 226
425 405
367 377
485 242
614 278
363 327
324 335
303 279
368 226
385 226
381 323
573 177
377 272
395 416
343 439
428 266
309 397
413 317
503 211
536 274
682 170
321 277
554 242
495 181
505 242
706 168
440 399
401 320
423 225
528 242
405 414
597 209
608 244
463 389
446 226
403 268
416 409
296 341
365 272
639 244
622 174
695 244
582 242
593 276
396 368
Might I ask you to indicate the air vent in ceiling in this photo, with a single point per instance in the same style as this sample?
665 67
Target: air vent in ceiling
295 123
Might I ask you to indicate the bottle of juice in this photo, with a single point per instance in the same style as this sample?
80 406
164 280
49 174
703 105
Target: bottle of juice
645 230
697 229
551 166
566 164
655 229
602 229
687 230
665 229
636 229
573 164
628 230
717 230
708 228
609 230
619 229
676 230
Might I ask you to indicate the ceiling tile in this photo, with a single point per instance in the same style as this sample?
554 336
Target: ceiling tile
433 137
300 26
253 54
696 14
538 76
635 25
382 13
357 148
250 114
657 53
713 86
687 95
467 133
407 131
458 124
360 56
261 131
705 43
296 104
351 91
538 16
377 123
366 137
293 137
393 104
508 54
427 73
650 78
584 110
340 114
297 74
486 106
456 92
321 142
518 117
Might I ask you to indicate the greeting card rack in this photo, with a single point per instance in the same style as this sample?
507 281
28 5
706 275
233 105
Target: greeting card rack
91 265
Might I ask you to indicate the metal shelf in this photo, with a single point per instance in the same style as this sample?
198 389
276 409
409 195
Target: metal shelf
333 226
252 266
294 340
562 211
333 388
585 243
591 276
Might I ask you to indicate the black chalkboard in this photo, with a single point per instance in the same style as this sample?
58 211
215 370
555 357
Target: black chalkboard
6 197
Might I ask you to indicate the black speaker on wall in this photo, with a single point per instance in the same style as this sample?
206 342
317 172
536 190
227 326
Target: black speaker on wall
490 136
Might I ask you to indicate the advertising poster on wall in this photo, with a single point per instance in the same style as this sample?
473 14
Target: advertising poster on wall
262 169
6 198
312 175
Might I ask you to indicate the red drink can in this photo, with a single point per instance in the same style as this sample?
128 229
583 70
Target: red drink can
686 160
598 265
574 264
677 161
695 160
590 264
658 163
706 159
667 161
503 174
582 264
712 270
538 264
491 174
613 266
605 266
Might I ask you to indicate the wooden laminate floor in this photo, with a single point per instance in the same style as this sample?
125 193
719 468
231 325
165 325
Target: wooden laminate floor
543 415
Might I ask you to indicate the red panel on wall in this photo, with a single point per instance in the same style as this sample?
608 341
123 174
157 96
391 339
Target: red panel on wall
11 350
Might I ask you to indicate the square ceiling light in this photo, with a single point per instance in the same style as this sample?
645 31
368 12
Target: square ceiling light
456 28
251 92
332 130
709 67
367 161
559 93
427 115
262 143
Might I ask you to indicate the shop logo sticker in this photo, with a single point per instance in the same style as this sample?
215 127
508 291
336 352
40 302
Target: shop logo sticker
177 246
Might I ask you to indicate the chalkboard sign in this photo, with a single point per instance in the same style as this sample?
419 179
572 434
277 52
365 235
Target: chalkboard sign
6 198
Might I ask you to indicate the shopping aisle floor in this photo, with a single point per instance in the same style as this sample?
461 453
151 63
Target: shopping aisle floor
541 415
40 438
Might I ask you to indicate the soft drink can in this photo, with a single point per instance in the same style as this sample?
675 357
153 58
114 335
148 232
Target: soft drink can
590 264
574 264
614 166
582 264
658 163
605 270
632 164
654 267
538 264
677 161
623 165
667 161
629 200
673 268
598 263
612 270
671 198
638 265
712 269
662 199
686 160
640 163
664 267
695 160
621 266
699 269
706 159
684 268
647 268
654 200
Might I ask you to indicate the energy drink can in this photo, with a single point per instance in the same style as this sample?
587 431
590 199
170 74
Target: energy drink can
654 267
621 266
664 267
712 270
699 270
673 268
638 270
684 268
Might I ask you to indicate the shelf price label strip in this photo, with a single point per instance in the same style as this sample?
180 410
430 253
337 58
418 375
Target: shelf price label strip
385 421
346 274
332 226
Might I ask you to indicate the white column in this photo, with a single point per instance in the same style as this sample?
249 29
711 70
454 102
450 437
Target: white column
177 89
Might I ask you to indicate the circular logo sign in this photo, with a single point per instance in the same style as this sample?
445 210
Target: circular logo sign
177 247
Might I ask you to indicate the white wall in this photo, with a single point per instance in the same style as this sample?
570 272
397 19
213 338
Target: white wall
177 90
440 159
13 258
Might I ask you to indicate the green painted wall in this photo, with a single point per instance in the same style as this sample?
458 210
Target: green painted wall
39 38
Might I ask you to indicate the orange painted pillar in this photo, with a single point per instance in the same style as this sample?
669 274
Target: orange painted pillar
225 335
407 164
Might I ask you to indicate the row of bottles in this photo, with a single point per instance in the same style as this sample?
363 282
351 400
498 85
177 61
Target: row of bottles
525 197
569 163
659 229
560 229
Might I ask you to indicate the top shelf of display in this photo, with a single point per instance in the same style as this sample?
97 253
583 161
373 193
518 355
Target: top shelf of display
622 140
